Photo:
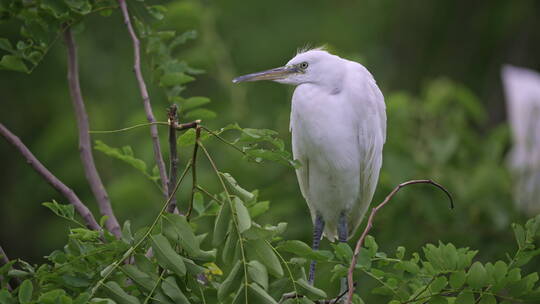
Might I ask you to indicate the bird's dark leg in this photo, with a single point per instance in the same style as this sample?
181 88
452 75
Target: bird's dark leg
343 229
317 233
343 235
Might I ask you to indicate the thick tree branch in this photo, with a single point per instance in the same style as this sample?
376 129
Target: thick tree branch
80 207
370 225
85 146
173 155
146 99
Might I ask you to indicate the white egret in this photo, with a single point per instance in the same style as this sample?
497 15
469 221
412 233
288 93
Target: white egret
338 125
522 90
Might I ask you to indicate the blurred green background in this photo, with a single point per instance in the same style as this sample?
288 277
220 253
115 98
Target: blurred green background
437 63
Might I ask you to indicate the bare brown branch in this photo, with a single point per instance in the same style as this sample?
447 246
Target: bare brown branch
173 155
194 170
146 98
73 199
85 146
369 225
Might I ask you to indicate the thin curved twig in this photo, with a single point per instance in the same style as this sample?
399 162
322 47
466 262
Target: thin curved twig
369 225
146 98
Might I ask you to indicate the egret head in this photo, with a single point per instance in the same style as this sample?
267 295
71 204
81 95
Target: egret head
312 66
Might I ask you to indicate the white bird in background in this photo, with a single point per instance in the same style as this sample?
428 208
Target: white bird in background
522 88
338 125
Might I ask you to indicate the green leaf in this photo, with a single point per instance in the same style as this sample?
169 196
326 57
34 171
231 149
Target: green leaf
175 78
261 294
436 300
118 294
258 273
127 236
177 229
241 192
519 232
221 225
62 210
202 114
51 297
242 214
187 138
343 251
6 298
438 284
82 298
194 102
476 277
6 45
82 7
139 277
259 208
499 271
301 249
261 251
166 256
232 280
230 248
311 290
457 279
198 203
126 155
181 39
193 268
14 63
400 252
157 11
171 289
488 299
465 297
25 291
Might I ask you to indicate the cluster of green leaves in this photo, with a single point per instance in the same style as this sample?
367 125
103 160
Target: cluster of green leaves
242 261
256 145
41 24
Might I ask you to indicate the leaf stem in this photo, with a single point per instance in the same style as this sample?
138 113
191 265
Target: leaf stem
240 239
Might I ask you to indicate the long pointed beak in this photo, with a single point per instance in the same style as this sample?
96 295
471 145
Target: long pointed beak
273 74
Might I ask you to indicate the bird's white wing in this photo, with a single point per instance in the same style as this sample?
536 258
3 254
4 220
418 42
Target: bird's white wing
370 110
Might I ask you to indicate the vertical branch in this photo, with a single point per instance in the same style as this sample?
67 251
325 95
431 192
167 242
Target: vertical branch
73 199
173 155
146 99
85 147
369 225
194 170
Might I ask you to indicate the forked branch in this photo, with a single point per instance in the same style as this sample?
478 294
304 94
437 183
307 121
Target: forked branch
73 199
85 146
145 97
370 225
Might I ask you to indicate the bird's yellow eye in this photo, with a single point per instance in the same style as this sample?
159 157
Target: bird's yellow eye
304 65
